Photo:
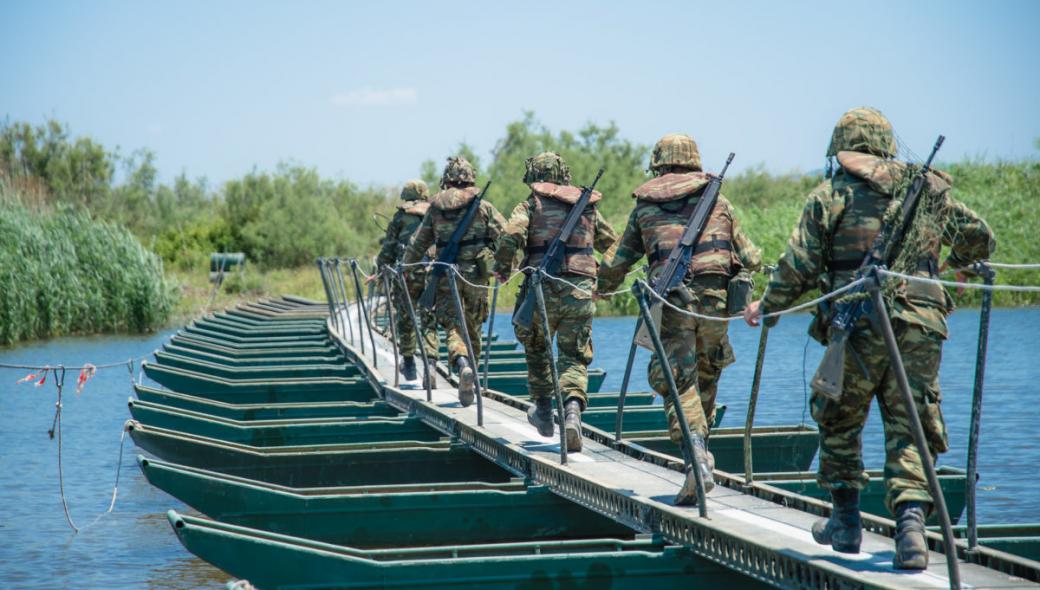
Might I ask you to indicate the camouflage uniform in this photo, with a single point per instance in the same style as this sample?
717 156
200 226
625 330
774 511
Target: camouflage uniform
837 227
476 254
532 226
697 350
406 220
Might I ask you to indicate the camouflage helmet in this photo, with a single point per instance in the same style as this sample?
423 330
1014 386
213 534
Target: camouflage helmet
863 129
458 172
547 167
414 190
675 149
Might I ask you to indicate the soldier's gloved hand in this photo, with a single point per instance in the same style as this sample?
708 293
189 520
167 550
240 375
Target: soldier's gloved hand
753 314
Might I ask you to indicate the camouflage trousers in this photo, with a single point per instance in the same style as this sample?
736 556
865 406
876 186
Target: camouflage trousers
570 321
698 350
406 340
841 422
475 308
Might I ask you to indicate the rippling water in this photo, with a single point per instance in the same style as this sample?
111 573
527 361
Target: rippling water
134 547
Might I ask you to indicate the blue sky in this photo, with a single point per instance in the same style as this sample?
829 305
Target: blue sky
367 91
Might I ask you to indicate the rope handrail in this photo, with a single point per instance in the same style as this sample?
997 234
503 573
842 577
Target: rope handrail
959 284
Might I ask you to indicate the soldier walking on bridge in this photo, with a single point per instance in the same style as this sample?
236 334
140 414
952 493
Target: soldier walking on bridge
533 225
474 261
698 350
406 221
838 226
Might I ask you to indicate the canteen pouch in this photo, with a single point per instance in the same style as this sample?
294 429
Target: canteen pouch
738 293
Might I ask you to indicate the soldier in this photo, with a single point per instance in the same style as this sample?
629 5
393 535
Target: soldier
532 226
698 350
406 220
475 261
838 225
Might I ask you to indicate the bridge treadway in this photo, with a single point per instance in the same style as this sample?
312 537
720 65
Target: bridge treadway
757 537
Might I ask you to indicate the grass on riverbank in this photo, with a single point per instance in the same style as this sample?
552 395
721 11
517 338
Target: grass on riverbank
64 273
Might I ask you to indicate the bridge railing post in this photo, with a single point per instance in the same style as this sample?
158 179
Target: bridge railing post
974 430
410 308
689 454
896 361
460 322
384 274
536 283
749 423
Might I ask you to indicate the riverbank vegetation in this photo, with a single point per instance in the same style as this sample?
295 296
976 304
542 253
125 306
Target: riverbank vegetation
284 218
62 272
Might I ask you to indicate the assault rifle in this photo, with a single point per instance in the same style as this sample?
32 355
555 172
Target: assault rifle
883 251
450 252
554 255
678 262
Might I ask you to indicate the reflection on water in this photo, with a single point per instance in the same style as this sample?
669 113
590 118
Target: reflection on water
134 547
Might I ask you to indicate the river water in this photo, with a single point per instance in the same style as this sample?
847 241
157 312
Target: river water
133 547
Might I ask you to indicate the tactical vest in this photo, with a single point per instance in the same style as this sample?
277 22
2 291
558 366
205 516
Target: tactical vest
412 214
448 208
866 184
549 206
664 207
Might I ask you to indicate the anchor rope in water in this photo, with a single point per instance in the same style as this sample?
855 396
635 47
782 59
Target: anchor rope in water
87 371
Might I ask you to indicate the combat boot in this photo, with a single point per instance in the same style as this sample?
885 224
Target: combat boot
843 531
911 547
572 425
408 369
467 381
703 460
540 415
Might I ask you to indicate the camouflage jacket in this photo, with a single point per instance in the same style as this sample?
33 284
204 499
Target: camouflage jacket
535 222
840 220
476 250
657 222
404 223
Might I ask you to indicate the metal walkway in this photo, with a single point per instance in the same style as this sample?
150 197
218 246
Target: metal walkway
748 532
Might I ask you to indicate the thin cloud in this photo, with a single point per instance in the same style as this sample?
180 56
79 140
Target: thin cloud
373 97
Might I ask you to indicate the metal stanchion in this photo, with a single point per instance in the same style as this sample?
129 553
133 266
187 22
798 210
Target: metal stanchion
427 378
689 454
358 302
491 327
983 269
896 360
328 293
460 321
393 325
619 420
536 283
342 285
752 402
363 313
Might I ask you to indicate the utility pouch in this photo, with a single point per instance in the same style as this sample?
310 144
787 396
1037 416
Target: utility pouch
485 263
738 292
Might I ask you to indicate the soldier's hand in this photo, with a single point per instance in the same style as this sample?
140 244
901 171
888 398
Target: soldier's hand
370 278
597 296
753 314
501 277
960 276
